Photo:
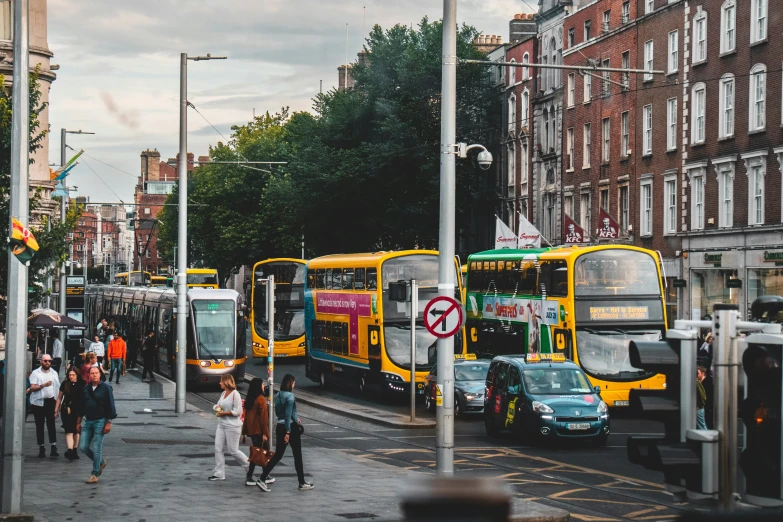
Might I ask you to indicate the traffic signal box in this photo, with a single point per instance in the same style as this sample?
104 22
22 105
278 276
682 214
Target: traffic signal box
760 461
678 460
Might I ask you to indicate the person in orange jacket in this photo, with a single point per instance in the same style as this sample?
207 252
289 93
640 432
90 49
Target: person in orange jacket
116 353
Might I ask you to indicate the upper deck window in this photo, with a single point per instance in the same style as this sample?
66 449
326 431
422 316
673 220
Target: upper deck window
616 272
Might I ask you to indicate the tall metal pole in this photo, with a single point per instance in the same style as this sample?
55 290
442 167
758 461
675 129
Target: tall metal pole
303 246
182 236
444 422
49 279
726 366
270 364
63 209
414 314
14 397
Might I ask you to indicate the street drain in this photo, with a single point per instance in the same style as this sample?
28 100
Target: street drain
356 516
170 442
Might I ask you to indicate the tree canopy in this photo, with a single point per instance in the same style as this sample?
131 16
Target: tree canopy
362 170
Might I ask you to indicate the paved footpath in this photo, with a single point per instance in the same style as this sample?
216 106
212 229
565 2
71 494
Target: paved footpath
158 464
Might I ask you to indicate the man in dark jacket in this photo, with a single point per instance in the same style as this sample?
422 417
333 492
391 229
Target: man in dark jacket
148 355
98 413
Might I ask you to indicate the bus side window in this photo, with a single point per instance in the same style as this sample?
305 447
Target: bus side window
320 279
358 280
328 278
554 277
528 278
310 280
337 278
372 279
348 279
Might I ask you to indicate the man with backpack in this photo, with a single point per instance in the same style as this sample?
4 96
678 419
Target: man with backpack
98 413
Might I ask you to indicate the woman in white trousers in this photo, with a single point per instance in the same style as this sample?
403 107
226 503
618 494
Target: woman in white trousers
228 410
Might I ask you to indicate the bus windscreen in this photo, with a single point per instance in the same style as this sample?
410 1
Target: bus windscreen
289 300
616 272
202 279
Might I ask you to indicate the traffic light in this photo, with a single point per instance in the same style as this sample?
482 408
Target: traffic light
670 454
761 412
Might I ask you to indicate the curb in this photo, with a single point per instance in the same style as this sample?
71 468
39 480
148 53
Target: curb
379 417
16 517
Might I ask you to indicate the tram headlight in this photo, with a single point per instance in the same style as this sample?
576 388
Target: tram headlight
205 363
228 363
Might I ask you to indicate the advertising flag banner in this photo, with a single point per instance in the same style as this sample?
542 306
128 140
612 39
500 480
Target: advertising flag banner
608 229
504 236
22 242
529 236
572 233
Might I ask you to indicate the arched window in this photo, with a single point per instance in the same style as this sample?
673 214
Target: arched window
757 102
525 107
544 74
726 106
512 113
525 70
512 73
699 113
545 143
554 74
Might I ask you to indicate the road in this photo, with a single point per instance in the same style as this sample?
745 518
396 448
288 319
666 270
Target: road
592 483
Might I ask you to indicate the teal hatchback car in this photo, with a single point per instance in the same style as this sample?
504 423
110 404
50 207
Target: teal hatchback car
543 396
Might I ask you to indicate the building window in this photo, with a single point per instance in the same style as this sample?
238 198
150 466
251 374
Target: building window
670 218
626 11
758 97
647 131
546 131
523 161
6 20
606 21
605 83
525 107
758 21
623 207
756 167
548 206
605 137
570 147
649 6
671 124
568 205
726 102
728 27
543 74
626 64
584 211
725 171
147 211
571 89
512 164
648 60
604 199
526 70
674 51
570 37
512 113
586 147
625 141
646 209
588 87
512 73
587 30
697 198
699 96
700 37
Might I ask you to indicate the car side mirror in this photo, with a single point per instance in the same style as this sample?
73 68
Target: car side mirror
597 389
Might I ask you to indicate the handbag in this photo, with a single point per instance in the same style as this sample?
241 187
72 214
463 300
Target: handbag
260 456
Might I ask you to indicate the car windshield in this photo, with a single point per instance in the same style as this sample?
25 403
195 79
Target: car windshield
604 353
556 381
470 372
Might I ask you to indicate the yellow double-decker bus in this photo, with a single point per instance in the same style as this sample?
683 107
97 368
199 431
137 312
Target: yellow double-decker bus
134 278
159 281
202 278
356 332
289 307
587 303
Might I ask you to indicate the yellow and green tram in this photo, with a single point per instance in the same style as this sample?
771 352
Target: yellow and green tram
356 333
587 303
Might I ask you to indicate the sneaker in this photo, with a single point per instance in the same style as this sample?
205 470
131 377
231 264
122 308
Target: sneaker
269 480
250 482
213 478
262 486
305 486
103 466
41 452
92 480
54 454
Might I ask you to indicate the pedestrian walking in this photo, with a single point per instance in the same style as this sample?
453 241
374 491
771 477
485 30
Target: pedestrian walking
44 384
701 398
256 424
288 431
70 405
116 353
98 413
148 355
97 348
58 352
228 410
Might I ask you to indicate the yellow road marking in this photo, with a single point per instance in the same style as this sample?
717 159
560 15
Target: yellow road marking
644 511
566 492
658 517
592 518
397 451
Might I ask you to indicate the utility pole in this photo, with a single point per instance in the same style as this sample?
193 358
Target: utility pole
14 396
270 365
444 441
182 233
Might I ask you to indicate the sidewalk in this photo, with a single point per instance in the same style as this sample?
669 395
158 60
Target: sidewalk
158 464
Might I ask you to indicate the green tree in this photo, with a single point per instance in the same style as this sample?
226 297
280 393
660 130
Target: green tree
53 243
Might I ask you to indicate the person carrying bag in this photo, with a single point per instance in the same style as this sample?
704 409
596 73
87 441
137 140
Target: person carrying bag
256 426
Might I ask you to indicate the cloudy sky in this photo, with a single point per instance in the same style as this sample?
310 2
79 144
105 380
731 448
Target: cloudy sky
119 68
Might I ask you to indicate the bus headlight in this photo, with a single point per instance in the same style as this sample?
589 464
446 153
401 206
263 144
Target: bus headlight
602 407
302 344
228 363
205 363
540 407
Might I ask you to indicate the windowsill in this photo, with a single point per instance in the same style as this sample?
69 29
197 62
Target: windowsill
758 42
646 236
728 53
585 167
605 163
570 107
568 171
647 80
647 155
726 138
587 102
670 73
671 150
696 64
698 144
625 158
756 131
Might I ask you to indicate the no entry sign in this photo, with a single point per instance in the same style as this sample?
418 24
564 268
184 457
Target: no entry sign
443 317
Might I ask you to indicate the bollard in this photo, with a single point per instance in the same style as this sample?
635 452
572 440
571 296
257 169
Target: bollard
457 499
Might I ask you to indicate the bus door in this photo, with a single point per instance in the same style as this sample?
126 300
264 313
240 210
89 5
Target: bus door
374 348
563 342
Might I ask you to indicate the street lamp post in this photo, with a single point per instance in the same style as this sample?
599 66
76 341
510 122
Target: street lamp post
182 235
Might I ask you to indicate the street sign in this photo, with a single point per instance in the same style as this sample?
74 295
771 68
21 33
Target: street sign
443 317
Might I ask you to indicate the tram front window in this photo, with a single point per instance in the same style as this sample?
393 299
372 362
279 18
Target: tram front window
604 353
214 321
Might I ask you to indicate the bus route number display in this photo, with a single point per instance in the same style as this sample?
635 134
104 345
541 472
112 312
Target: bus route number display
619 313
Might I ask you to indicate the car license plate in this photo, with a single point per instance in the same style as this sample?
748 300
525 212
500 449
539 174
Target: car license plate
578 426
281 355
622 403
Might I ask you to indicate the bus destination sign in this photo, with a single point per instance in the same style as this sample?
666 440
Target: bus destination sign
619 313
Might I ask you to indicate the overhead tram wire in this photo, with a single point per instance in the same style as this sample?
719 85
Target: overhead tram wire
100 178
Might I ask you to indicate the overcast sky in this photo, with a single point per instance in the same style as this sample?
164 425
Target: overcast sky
119 68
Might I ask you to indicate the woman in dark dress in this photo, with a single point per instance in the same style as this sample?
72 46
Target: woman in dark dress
70 403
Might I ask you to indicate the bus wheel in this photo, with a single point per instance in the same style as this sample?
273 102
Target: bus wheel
322 378
362 384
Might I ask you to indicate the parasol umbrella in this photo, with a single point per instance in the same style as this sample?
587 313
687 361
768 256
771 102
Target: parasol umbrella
45 318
